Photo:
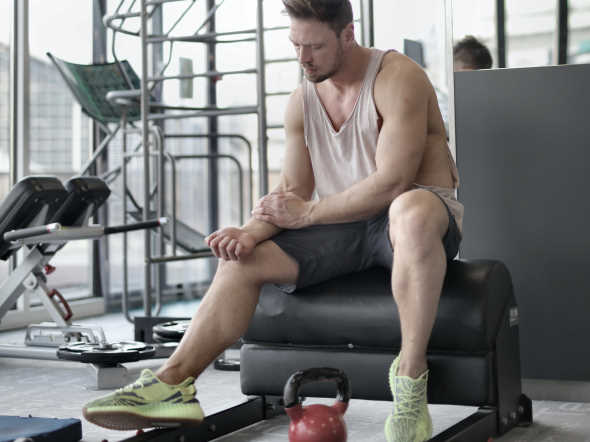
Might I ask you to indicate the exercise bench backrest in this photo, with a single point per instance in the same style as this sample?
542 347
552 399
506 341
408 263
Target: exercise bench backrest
91 82
85 195
21 207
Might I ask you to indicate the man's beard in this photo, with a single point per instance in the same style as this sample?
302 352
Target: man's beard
322 77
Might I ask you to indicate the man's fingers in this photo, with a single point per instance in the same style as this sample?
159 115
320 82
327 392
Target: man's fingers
223 247
231 250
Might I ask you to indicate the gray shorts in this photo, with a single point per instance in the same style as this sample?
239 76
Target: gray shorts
326 251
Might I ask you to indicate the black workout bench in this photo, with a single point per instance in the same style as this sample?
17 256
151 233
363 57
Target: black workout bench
351 323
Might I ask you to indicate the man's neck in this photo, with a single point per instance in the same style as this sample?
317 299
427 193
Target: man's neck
353 68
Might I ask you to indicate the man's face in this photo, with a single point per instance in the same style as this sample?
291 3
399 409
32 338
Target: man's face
318 49
460 66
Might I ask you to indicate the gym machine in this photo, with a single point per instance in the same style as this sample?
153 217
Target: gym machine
40 215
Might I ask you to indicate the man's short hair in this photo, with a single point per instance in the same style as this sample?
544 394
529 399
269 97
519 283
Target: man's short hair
336 13
472 53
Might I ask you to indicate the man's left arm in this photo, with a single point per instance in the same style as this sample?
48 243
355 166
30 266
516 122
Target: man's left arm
401 96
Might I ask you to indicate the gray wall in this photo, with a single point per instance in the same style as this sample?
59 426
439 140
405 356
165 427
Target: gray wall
523 151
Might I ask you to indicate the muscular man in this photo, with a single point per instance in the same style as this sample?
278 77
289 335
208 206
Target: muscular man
365 133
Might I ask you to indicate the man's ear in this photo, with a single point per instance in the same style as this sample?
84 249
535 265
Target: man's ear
347 34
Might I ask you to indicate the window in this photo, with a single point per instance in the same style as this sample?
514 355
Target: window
60 135
530 32
579 31
5 14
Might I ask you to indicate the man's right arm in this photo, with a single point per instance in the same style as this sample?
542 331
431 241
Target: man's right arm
296 176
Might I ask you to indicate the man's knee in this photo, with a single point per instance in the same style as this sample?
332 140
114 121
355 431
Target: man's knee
267 263
416 219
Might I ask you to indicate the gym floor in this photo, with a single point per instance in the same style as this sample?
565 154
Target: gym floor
59 389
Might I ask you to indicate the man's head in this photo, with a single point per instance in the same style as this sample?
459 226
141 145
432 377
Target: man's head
321 32
469 54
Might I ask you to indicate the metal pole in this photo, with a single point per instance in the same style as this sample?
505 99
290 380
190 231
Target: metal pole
19 91
561 40
501 32
147 294
100 249
448 5
261 89
212 124
367 23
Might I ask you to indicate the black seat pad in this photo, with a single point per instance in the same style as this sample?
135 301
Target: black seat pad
358 310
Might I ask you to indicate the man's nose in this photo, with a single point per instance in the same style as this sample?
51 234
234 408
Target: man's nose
305 55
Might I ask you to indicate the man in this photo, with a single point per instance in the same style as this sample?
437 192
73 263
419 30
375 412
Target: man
469 54
364 132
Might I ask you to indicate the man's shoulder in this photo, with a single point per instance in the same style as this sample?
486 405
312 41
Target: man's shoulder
399 72
396 64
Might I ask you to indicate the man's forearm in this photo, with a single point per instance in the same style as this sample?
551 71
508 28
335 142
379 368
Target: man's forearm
260 230
361 201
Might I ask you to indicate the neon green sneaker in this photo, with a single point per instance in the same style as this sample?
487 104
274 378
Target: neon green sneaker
410 420
146 403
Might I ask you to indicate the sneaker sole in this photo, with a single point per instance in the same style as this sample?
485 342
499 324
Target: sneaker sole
130 421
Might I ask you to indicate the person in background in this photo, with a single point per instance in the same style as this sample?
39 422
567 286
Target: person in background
469 54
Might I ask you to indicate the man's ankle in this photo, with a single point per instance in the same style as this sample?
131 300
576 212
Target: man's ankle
412 369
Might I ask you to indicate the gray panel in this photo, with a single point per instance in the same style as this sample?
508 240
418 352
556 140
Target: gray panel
523 150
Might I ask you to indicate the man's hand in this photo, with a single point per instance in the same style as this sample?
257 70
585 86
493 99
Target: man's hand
285 210
231 243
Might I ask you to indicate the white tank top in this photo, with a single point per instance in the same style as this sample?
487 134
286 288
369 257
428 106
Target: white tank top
341 158
344 157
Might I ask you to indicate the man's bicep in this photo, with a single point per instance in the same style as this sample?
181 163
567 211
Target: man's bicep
297 173
402 138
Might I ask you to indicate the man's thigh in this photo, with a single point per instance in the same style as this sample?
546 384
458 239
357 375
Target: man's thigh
323 252
380 242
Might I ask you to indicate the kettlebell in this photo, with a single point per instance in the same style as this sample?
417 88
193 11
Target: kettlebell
318 422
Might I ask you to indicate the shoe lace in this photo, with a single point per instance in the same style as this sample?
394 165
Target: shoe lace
130 387
408 401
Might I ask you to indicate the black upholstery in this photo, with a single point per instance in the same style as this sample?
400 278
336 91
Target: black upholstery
351 323
24 202
358 311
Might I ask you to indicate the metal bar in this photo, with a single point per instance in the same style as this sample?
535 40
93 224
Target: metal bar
99 278
146 158
215 157
213 427
261 90
213 74
280 60
197 39
161 2
450 77
501 32
561 41
278 94
160 259
275 126
125 292
99 150
479 426
28 352
212 123
228 111
368 35
218 135
20 91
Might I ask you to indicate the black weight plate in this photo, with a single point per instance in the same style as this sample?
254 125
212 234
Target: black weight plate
163 340
110 354
172 329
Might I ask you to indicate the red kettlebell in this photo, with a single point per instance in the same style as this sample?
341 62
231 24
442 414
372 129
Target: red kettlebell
316 423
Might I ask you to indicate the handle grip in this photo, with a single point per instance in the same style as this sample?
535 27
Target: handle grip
302 377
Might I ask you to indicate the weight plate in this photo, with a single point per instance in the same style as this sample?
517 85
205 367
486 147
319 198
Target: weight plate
109 354
163 340
172 329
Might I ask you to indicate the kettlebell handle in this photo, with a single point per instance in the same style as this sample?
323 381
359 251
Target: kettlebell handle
302 377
